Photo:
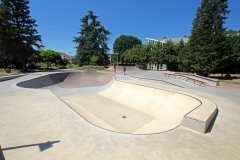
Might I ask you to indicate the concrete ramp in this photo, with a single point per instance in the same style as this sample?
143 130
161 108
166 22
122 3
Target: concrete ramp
86 78
133 109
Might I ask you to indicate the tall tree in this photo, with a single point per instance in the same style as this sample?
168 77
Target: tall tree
185 59
18 35
233 59
164 54
124 42
157 56
170 55
6 36
92 41
208 40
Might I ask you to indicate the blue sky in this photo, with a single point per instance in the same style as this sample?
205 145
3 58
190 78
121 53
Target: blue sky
59 20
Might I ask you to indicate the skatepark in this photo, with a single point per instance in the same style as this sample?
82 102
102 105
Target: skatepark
102 115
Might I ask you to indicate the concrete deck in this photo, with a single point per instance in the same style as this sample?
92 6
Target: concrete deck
36 124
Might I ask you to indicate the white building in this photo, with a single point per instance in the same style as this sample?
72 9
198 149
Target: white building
164 40
153 41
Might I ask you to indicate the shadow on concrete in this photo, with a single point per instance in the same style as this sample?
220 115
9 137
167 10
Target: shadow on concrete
44 81
42 146
1 154
210 127
87 78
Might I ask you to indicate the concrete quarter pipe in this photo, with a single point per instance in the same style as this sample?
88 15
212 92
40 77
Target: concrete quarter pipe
128 108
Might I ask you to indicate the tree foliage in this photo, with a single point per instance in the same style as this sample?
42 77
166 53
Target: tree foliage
233 38
158 53
94 59
123 43
51 56
136 55
184 58
92 41
19 38
208 40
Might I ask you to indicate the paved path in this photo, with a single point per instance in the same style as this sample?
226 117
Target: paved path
221 91
36 124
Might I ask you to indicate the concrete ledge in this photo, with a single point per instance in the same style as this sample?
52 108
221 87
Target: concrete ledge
200 118
187 78
208 81
6 78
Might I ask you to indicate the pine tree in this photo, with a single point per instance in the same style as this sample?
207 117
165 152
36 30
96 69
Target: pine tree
208 40
6 36
233 59
92 41
18 35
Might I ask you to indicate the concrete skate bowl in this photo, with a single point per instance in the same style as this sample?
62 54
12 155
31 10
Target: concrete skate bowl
134 109
124 107
86 78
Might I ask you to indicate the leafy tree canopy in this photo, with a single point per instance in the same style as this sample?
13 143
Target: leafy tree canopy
136 54
51 56
124 42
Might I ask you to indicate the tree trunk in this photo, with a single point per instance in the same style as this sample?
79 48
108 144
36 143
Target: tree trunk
24 67
4 65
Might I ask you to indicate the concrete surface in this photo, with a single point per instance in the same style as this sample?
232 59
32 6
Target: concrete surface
86 78
146 110
36 124
208 81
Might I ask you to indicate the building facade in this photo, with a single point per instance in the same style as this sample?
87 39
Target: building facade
165 40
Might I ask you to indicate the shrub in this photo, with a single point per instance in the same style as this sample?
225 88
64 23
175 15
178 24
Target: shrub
92 67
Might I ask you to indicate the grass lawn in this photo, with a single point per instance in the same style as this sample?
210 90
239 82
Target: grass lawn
230 82
13 72
219 76
235 78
